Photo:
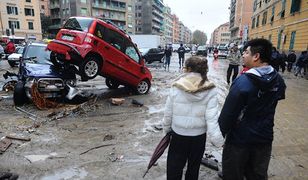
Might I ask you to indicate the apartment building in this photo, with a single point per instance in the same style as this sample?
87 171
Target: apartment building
283 22
240 19
149 17
44 7
175 29
20 19
167 25
221 35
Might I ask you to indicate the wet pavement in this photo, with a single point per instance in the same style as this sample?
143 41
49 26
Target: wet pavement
130 133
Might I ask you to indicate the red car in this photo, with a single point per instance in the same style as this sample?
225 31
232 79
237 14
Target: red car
100 48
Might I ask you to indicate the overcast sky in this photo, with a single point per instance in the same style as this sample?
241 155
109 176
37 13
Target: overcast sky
204 15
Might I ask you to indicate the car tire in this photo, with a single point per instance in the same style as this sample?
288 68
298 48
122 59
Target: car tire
12 63
90 68
143 87
112 84
19 96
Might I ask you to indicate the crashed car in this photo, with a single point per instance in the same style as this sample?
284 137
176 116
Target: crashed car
152 54
97 47
36 71
13 59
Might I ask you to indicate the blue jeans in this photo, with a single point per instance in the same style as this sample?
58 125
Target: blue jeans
167 61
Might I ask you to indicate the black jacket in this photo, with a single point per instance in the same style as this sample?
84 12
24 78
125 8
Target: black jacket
247 116
181 51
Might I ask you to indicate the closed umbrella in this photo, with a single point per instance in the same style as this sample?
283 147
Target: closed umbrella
159 150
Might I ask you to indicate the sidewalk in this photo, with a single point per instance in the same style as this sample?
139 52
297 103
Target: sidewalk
290 146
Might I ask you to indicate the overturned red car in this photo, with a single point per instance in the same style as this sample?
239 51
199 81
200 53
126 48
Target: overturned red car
100 48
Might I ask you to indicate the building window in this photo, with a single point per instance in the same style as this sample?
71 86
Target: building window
283 7
29 12
279 39
28 0
270 37
43 7
12 10
253 23
257 23
83 1
264 19
30 25
83 11
295 6
273 14
14 24
292 40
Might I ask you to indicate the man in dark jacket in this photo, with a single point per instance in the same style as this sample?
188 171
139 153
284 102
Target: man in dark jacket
168 54
291 59
247 117
275 59
181 52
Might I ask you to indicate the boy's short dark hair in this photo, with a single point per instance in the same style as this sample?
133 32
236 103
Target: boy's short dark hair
261 46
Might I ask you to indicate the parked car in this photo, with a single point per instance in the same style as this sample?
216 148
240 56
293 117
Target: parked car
13 59
100 48
35 69
201 50
152 54
222 51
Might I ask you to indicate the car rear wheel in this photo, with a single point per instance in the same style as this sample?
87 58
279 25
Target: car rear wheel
12 63
143 87
90 68
19 95
112 84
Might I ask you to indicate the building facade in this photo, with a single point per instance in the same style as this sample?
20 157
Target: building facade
175 29
283 22
221 35
167 25
44 7
20 19
240 19
149 17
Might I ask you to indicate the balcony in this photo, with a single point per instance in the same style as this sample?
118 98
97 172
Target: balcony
111 8
155 12
54 6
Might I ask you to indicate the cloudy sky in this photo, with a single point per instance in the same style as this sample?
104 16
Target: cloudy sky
204 15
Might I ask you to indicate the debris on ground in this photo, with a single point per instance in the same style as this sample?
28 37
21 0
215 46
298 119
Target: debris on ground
113 157
96 148
108 137
210 163
117 101
137 103
40 101
8 176
20 138
4 144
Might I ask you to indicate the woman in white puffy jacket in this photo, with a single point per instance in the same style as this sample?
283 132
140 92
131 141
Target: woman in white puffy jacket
191 112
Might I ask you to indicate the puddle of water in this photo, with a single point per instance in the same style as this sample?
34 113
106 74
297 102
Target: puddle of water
71 173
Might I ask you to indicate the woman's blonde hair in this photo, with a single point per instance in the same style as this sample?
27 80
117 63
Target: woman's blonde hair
199 65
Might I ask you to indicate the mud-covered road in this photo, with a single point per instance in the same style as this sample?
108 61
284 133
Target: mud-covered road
95 140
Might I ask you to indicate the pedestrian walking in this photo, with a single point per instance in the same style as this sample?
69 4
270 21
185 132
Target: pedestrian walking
168 54
301 63
291 60
191 112
234 62
247 116
10 47
283 60
181 52
275 59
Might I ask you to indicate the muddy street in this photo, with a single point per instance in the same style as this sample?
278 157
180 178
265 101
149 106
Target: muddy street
98 140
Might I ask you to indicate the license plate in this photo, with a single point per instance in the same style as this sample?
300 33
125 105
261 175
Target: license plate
68 38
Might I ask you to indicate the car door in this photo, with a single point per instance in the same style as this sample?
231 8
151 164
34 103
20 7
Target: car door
132 64
114 59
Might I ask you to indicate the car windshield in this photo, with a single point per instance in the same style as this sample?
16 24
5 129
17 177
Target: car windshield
80 24
201 48
20 50
223 48
38 53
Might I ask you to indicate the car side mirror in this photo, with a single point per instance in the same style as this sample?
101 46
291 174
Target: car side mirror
142 61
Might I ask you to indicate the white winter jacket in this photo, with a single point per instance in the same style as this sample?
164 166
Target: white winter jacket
191 110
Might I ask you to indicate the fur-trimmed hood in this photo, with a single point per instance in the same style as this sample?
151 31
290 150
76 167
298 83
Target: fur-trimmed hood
189 82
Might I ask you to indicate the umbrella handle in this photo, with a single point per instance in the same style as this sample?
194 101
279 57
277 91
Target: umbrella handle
145 173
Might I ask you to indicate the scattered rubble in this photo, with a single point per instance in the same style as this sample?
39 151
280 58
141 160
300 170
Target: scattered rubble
117 101
4 144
